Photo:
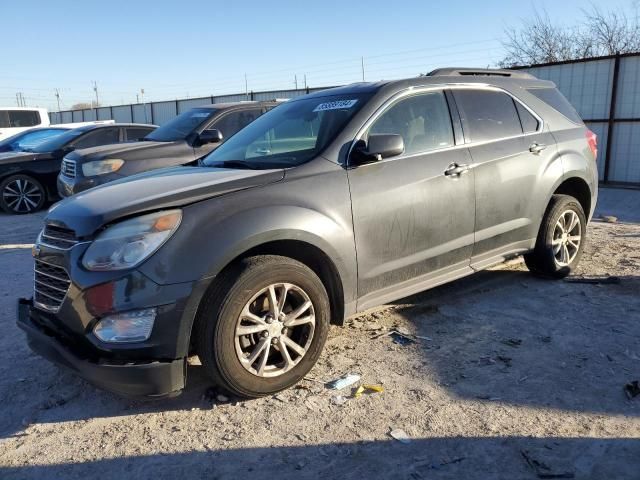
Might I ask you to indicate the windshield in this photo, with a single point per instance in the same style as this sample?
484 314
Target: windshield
57 142
288 135
180 127
29 140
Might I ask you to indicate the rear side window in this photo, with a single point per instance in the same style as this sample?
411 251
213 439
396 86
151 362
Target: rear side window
529 123
101 136
487 115
24 118
134 134
4 119
423 121
235 121
553 98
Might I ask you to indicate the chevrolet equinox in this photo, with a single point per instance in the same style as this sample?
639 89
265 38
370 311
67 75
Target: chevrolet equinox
327 205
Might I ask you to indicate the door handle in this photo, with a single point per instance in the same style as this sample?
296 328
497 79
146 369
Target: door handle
536 148
455 170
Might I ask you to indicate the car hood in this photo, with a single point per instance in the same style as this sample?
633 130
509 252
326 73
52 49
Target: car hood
87 211
118 149
18 157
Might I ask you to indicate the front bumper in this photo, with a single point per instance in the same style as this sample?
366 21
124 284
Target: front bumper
68 186
143 379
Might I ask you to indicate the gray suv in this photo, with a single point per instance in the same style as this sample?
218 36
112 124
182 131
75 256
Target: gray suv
323 207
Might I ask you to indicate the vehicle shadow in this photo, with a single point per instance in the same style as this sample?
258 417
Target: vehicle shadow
508 336
444 457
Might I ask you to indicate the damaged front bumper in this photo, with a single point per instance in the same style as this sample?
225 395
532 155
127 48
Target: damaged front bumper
138 379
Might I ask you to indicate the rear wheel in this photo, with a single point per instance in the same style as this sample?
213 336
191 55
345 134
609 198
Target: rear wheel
263 325
561 239
20 194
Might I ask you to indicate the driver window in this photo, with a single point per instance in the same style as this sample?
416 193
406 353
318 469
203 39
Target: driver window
422 120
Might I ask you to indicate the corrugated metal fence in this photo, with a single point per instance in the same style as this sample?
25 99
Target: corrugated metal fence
606 93
604 90
161 112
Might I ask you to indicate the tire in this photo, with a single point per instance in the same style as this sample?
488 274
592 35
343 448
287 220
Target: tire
230 357
556 254
21 194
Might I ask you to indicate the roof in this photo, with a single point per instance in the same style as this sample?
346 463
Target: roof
106 125
442 76
222 106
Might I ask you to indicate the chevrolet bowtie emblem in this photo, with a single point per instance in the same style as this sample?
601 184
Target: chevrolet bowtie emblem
35 251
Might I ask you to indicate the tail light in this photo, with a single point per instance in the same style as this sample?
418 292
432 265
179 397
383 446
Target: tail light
592 141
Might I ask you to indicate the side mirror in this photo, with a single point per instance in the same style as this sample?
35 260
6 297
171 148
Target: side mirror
378 147
210 136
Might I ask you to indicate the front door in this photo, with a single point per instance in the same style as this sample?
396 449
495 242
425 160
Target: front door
413 214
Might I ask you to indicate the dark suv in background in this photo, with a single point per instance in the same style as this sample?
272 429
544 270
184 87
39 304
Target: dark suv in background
248 257
28 177
184 139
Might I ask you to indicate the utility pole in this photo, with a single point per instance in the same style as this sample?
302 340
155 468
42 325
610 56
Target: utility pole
305 81
144 107
95 89
246 87
137 98
362 62
295 81
58 98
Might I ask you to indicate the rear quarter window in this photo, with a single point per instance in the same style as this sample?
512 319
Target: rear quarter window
557 101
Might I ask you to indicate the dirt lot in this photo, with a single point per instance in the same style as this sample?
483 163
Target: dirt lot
513 377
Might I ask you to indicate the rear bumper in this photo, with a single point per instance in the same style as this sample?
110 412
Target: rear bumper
150 379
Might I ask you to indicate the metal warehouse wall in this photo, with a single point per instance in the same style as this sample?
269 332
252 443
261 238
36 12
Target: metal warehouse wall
604 90
606 93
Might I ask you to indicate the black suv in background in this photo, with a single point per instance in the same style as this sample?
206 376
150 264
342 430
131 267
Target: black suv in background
328 205
28 178
184 139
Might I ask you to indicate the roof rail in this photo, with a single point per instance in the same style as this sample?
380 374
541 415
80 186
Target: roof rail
479 72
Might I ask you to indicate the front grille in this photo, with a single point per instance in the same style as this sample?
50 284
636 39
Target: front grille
68 168
50 285
58 237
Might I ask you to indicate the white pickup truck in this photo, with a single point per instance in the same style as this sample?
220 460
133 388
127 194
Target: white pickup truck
17 119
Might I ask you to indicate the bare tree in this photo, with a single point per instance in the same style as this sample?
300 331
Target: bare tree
540 40
613 32
84 105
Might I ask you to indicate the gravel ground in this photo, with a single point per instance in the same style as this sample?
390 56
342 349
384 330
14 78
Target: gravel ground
511 377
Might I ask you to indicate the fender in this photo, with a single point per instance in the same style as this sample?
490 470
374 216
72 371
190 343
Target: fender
237 232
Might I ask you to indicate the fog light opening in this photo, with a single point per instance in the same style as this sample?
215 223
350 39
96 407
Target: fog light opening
126 327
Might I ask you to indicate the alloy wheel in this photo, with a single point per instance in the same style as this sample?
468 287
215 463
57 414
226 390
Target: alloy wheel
567 236
275 330
22 195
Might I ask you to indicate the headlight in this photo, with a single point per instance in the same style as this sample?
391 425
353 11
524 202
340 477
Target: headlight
100 167
126 244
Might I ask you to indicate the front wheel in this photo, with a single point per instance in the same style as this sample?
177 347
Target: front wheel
263 325
560 240
20 194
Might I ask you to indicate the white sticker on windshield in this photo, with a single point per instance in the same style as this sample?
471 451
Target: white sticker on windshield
337 105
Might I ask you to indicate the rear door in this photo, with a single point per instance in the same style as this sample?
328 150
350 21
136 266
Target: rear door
413 220
510 151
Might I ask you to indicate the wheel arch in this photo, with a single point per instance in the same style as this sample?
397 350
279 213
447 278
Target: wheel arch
578 188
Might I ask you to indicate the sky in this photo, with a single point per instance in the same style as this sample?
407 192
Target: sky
196 48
